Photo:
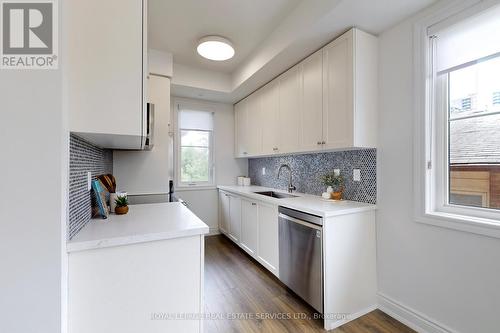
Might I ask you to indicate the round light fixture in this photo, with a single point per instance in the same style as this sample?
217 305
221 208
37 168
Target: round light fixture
215 48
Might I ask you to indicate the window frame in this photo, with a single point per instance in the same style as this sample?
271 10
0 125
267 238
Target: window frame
431 173
210 184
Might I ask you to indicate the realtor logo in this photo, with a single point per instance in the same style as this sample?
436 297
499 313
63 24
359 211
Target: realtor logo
29 34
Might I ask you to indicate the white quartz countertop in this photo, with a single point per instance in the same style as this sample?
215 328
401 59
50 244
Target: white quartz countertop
311 204
143 223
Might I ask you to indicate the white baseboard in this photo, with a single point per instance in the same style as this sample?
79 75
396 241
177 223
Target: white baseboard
331 324
411 318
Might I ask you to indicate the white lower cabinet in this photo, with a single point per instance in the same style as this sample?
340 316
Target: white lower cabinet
130 288
224 217
234 218
249 227
268 252
252 225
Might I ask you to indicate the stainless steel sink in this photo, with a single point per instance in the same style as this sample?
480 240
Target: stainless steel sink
277 195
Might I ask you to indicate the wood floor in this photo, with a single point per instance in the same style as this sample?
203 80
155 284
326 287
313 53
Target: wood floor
242 296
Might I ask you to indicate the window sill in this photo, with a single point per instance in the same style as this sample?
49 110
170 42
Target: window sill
470 224
195 188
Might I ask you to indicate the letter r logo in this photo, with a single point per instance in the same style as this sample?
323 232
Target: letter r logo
27 28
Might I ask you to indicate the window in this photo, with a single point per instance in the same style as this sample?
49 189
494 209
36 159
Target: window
458 136
474 135
195 166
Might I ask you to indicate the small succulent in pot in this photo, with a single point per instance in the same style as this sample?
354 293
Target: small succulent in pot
335 185
121 205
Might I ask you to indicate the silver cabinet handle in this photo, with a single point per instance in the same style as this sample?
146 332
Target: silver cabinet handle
323 142
275 148
254 204
319 142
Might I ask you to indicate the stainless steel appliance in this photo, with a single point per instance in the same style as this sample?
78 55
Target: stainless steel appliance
301 255
148 127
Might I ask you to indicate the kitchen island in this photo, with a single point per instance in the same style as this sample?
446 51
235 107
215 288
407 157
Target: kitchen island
140 272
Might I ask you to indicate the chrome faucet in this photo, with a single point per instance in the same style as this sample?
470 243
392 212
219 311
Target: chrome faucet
291 188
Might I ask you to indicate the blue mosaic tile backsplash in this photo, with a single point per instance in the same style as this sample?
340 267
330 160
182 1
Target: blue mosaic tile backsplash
84 157
308 168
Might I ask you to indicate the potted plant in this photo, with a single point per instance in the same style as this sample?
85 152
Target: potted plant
121 205
335 185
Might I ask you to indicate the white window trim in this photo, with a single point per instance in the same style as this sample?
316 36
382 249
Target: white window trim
199 106
426 210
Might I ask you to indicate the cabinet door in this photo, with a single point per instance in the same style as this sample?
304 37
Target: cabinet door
224 216
268 249
254 124
240 118
249 227
311 111
105 70
234 218
289 110
270 120
338 92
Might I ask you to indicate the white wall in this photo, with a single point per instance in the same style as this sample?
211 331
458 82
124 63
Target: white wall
204 203
148 172
447 276
32 192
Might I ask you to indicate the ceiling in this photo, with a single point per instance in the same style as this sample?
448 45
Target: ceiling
269 37
176 27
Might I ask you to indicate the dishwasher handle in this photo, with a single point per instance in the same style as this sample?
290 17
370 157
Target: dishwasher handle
304 223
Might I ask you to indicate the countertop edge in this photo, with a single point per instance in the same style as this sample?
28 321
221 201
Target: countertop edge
279 202
136 239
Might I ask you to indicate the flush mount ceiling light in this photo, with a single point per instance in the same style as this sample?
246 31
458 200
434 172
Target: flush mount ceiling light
215 48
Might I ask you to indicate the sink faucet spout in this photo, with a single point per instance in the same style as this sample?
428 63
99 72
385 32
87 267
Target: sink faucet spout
291 188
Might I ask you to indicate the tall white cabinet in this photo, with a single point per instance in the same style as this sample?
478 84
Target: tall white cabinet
326 102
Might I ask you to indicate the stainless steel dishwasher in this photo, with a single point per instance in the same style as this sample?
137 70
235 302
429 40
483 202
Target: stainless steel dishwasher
301 255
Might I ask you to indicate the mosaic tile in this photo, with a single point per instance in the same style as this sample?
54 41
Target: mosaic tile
308 168
84 157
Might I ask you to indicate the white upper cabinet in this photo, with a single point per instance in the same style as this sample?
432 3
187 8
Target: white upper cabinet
241 128
254 125
350 91
326 102
270 118
289 110
311 112
106 62
338 93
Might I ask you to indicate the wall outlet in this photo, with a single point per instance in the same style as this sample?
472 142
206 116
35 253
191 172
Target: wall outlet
263 171
89 181
356 175
336 172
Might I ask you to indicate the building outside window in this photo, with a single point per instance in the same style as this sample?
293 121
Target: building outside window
474 137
